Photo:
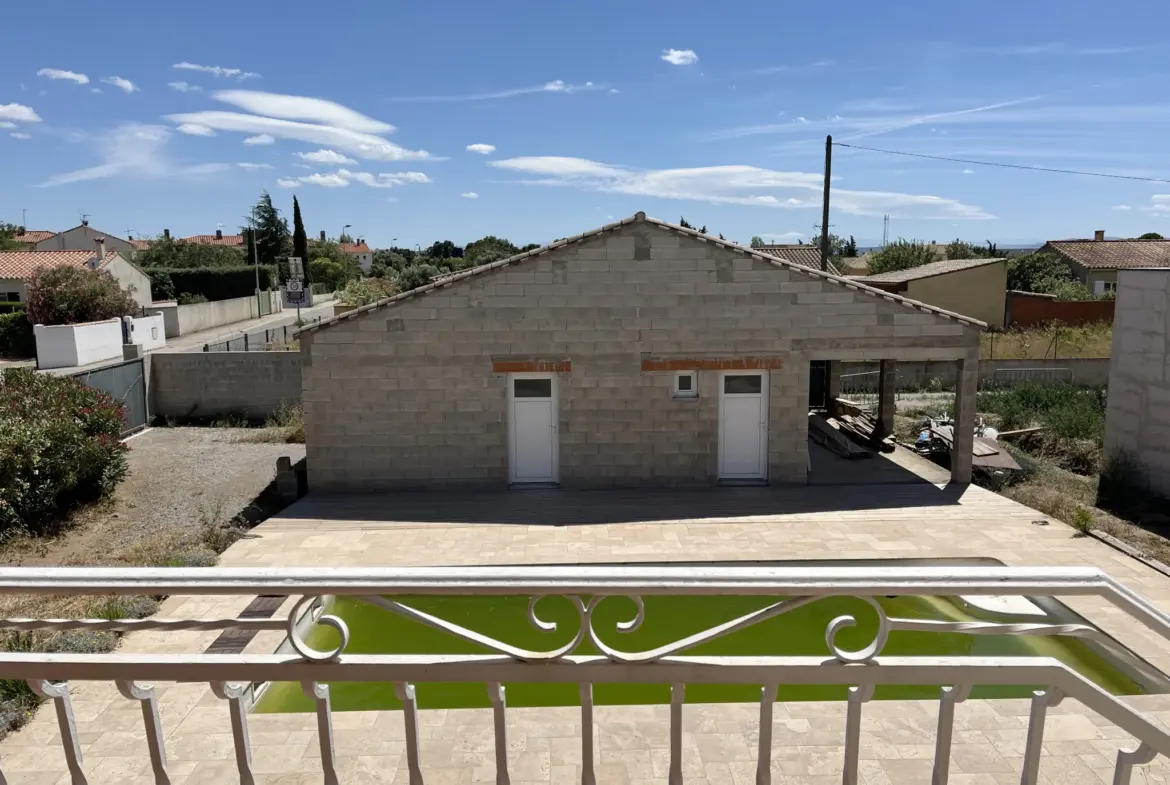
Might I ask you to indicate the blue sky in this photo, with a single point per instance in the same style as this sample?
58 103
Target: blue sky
150 115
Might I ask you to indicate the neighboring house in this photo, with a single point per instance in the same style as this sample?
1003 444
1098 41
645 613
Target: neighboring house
219 238
16 267
361 252
30 237
805 255
82 238
640 353
972 287
1137 418
1095 262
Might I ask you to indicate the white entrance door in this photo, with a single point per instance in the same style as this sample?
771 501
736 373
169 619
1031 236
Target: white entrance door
532 405
743 425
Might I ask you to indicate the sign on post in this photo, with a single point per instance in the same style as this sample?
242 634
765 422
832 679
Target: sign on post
295 270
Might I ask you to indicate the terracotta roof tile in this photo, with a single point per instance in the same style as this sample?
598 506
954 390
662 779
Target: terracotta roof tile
355 247
804 255
33 236
211 239
141 245
1113 254
848 283
21 264
926 270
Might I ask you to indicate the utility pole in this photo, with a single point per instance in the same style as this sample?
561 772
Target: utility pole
24 217
255 257
825 205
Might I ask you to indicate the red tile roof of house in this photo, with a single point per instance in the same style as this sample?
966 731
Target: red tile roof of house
21 264
1113 254
211 239
33 236
141 245
804 255
355 247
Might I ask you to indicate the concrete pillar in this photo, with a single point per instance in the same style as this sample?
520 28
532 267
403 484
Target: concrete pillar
966 387
832 385
887 388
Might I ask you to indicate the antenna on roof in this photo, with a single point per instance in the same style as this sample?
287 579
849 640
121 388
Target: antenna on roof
85 219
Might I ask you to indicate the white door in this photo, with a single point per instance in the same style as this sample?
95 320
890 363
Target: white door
533 425
743 425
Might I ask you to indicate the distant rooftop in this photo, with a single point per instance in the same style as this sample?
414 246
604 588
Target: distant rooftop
926 270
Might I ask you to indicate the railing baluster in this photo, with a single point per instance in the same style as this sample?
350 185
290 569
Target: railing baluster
946 726
1127 759
320 694
234 695
405 693
764 756
588 777
499 709
59 693
153 725
1031 771
677 693
857 696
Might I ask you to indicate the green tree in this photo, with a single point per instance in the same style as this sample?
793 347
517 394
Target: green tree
444 249
901 255
838 246
1038 272
990 252
757 241
7 234
344 237
489 249
300 242
273 239
332 252
327 271
959 249
417 275
72 295
387 262
683 223
850 249
1151 236
169 252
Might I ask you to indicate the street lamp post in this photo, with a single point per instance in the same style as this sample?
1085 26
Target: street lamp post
347 226
255 257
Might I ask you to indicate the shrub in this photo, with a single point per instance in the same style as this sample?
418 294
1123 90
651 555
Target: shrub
161 285
1082 520
220 283
417 275
187 298
16 336
901 255
59 448
72 295
368 290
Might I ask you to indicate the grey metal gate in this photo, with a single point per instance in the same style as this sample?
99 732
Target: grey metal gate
125 383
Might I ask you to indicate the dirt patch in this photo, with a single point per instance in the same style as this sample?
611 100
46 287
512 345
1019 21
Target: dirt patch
182 481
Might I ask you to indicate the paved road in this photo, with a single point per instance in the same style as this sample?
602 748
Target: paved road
254 328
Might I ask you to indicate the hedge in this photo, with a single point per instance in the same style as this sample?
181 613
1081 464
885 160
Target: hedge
17 341
59 448
218 283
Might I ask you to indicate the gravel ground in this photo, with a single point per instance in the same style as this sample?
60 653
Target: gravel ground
180 479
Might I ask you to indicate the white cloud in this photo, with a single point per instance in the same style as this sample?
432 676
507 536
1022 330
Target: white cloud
1159 203
470 195
296 107
362 145
743 185
613 91
785 238
482 149
680 56
17 135
135 150
96 90
125 85
968 171
6 124
259 139
18 113
252 166
326 157
1121 207
343 177
58 74
216 70
195 129
555 86
185 87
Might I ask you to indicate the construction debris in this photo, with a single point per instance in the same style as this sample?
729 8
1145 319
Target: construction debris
829 432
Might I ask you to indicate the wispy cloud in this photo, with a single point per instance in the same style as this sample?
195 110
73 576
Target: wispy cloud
252 166
138 151
218 71
326 157
344 177
297 107
1121 207
58 75
195 129
968 171
555 86
18 113
1159 203
1050 48
20 135
259 139
5 124
482 149
185 87
679 56
739 185
125 85
470 195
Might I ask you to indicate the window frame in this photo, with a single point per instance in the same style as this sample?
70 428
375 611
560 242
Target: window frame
691 393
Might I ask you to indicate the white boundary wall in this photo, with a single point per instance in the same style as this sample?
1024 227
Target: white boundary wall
67 345
149 332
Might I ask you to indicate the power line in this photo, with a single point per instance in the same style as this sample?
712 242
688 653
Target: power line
1002 165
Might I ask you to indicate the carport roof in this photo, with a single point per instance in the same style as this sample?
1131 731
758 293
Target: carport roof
639 217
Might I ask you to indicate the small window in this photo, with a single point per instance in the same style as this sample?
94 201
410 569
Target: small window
743 384
10 297
686 385
532 388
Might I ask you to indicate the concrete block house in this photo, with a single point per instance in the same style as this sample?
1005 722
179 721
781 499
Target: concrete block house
640 353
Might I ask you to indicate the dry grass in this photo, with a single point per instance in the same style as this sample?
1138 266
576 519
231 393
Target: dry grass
284 426
1091 340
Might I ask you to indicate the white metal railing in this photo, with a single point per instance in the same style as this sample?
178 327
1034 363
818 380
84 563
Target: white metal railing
231 675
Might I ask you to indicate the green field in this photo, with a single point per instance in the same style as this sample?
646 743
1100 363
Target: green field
798 632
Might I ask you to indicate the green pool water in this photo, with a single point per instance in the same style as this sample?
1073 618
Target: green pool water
798 632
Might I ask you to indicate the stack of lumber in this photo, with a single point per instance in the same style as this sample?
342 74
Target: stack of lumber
830 433
862 428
